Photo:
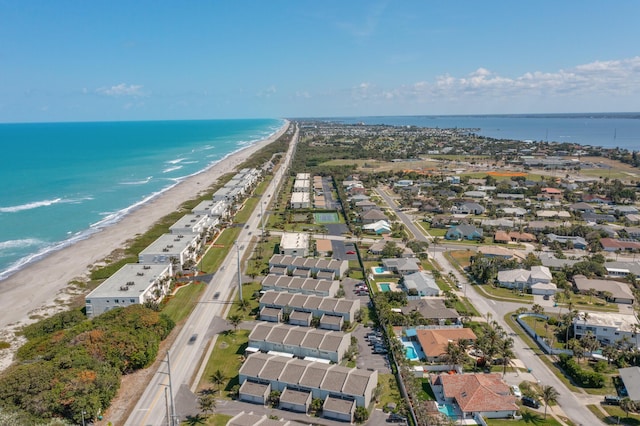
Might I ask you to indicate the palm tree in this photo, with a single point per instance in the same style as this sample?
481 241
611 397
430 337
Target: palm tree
218 378
207 402
627 405
454 354
506 352
234 320
549 396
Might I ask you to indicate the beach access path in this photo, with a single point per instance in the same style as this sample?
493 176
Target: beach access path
42 288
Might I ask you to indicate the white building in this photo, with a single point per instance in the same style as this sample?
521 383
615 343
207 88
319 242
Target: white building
294 244
421 283
229 194
538 279
212 208
192 224
130 285
317 306
302 342
318 287
300 200
168 247
608 327
301 186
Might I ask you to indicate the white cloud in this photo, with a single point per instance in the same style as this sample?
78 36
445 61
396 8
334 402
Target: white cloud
121 90
267 93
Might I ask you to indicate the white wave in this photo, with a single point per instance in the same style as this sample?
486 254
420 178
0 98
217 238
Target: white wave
138 182
25 242
170 169
176 161
29 206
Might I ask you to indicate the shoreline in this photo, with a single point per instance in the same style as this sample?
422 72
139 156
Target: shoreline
42 287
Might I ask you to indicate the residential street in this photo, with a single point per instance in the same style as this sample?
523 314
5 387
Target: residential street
573 405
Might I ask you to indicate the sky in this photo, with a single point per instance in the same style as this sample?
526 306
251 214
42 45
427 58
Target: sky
157 60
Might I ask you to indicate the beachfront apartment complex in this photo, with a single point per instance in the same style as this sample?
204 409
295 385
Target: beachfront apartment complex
169 248
193 224
237 186
130 285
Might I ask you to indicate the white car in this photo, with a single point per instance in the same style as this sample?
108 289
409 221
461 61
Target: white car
516 391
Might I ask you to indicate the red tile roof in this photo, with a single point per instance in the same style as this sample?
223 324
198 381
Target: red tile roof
434 341
477 392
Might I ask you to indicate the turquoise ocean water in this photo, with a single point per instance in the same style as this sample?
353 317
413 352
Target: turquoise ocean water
62 182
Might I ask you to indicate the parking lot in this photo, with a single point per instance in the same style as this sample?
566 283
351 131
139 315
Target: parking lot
343 250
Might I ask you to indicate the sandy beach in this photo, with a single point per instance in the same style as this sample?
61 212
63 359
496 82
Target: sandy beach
43 287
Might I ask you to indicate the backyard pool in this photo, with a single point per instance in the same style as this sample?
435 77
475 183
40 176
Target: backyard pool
384 287
380 270
410 352
447 410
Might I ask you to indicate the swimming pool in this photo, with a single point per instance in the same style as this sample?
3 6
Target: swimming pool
447 410
384 287
379 270
410 352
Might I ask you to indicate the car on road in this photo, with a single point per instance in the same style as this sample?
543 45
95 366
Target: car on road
193 339
246 227
530 402
216 296
516 391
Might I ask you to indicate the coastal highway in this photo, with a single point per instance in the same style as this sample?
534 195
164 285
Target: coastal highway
186 353
573 405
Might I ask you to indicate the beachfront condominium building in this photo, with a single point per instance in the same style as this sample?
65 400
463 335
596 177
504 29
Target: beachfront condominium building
130 285
193 224
170 249
294 244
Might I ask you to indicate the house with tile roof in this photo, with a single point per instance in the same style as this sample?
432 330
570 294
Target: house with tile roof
484 394
463 232
433 341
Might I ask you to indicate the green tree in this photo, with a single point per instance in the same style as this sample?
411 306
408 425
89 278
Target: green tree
218 378
235 320
627 405
361 415
549 395
207 402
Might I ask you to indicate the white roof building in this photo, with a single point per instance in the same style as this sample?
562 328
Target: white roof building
130 285
192 224
294 244
168 247
300 200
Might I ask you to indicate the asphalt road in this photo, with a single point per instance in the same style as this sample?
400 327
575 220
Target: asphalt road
185 355
572 405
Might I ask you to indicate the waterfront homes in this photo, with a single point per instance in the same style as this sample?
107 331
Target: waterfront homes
324 381
302 342
219 209
322 288
283 264
434 340
169 247
317 306
294 244
538 279
615 291
608 328
237 186
130 285
421 284
486 395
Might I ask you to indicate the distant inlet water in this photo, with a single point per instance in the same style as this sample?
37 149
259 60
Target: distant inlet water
62 182
609 130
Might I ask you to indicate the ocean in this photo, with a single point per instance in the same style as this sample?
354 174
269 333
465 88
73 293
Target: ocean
61 182
599 129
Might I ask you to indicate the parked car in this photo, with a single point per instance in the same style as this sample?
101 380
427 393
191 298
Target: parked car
530 402
516 391
396 418
612 400
351 252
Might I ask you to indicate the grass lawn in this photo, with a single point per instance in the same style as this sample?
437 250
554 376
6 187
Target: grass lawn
249 205
227 355
460 257
615 413
504 293
181 304
215 255
253 303
528 418
434 232
390 392
426 393
216 420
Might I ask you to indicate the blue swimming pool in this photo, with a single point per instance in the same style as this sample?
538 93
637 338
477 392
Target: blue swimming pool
410 352
447 410
379 270
385 287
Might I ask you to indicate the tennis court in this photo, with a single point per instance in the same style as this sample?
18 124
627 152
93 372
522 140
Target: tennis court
330 217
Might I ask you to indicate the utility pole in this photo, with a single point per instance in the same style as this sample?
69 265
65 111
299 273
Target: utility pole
171 409
262 217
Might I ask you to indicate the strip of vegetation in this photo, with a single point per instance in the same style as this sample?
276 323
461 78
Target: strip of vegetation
71 365
585 378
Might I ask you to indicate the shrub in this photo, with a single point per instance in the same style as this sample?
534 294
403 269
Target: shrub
584 378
